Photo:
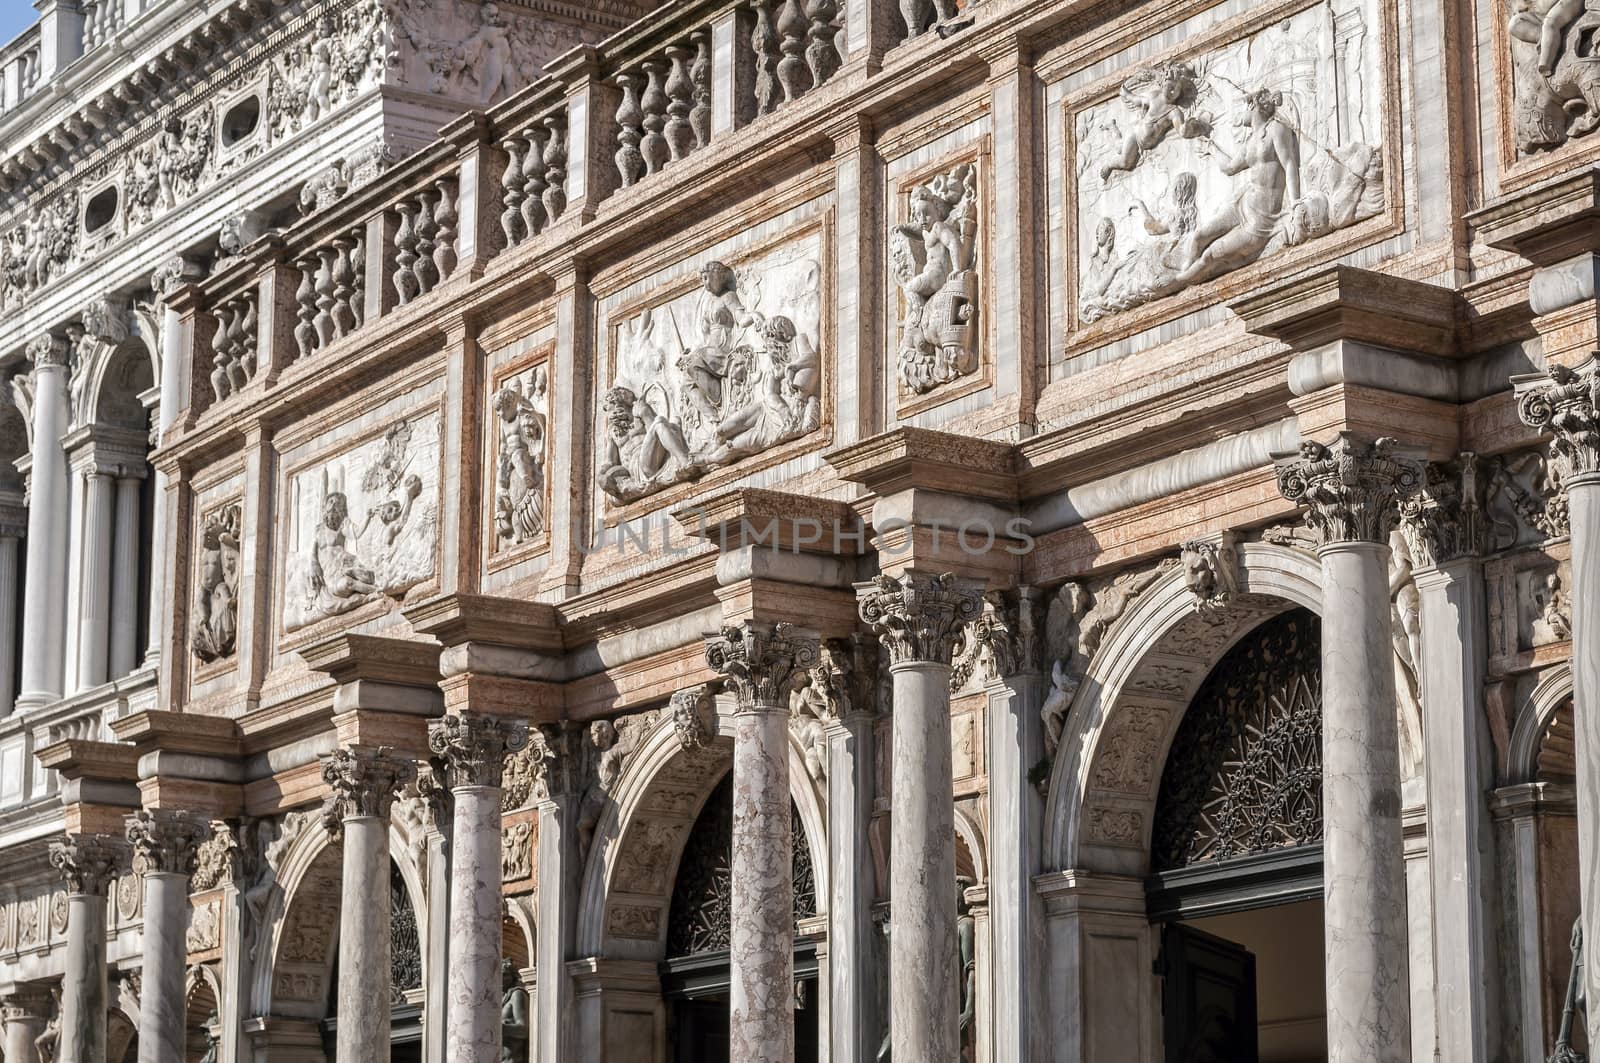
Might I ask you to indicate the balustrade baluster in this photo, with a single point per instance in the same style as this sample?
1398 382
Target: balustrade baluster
680 101
444 241
219 354
246 363
427 231
654 104
555 160
915 13
630 120
358 285
822 56
305 298
511 193
764 41
533 212
343 286
405 258
325 323
793 74
700 77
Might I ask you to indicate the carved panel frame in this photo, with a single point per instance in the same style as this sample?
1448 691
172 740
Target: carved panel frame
495 556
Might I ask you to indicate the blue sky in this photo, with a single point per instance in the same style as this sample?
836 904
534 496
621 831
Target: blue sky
15 16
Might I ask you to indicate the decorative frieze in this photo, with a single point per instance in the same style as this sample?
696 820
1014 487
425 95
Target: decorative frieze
165 841
758 662
215 624
362 781
88 862
1352 490
934 259
168 169
472 748
918 617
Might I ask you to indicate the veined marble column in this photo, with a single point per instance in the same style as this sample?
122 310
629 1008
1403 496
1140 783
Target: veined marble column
557 782
757 662
473 748
44 619
93 622
87 862
363 781
24 1016
918 618
8 617
124 631
1562 403
164 845
1352 491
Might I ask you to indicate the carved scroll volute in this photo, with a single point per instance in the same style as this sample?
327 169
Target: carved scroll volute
918 617
166 841
1563 403
87 862
473 747
1352 490
362 781
758 662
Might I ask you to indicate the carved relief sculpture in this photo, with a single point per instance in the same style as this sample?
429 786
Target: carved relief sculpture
1556 84
216 620
521 405
692 712
1554 622
1200 167
934 259
715 375
364 523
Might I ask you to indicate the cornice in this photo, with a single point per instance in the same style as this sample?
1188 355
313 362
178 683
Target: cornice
179 732
905 458
1346 303
456 619
348 657
1547 222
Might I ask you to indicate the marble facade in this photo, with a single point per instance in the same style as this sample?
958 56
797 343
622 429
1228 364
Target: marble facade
530 531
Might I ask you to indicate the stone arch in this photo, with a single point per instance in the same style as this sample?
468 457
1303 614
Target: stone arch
202 1002
971 849
518 937
1107 772
1540 713
628 882
105 389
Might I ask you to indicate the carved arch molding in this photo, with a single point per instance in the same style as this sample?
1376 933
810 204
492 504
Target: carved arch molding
1244 774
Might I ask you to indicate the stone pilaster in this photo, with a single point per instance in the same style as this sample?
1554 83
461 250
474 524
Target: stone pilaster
758 663
1352 491
919 619
164 847
363 781
558 789
87 862
1563 403
472 750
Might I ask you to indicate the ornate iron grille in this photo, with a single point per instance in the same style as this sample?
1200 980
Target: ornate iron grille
405 948
1245 772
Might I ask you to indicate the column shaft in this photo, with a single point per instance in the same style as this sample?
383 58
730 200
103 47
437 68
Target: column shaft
1016 916
364 942
74 579
555 1006
22 1028
44 624
166 413
162 1020
473 1010
125 579
924 996
1584 499
83 987
854 1029
8 620
761 1022
1363 859
94 619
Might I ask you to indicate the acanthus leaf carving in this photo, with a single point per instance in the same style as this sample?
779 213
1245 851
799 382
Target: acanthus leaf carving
166 841
362 781
1563 402
918 617
758 662
1352 490
471 748
88 862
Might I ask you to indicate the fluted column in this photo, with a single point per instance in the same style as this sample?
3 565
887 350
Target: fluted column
164 845
87 862
1563 404
9 552
44 621
93 622
24 1016
125 551
1352 491
757 663
918 618
363 781
473 749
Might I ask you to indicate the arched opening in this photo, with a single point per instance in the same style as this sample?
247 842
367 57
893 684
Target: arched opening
1235 885
202 1020
695 976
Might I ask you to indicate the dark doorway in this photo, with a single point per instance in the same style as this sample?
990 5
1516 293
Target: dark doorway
1208 998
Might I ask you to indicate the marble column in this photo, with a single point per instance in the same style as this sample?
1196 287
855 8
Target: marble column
918 618
1446 530
93 622
44 618
168 278
757 663
473 750
363 782
87 862
1352 491
125 551
164 845
559 789
24 1016
1563 404
8 619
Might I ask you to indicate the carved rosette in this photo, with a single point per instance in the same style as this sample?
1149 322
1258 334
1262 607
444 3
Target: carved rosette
759 662
166 841
1563 402
363 781
1448 519
1352 490
692 711
918 617
87 862
473 747
50 351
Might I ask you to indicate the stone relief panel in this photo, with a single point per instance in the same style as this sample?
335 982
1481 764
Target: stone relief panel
364 523
168 168
933 256
215 624
726 370
346 55
519 411
516 851
1555 83
35 252
1202 165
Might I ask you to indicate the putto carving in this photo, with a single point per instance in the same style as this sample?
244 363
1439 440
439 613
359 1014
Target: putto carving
918 617
1167 200
716 375
1211 572
692 712
471 748
612 745
478 57
88 862
167 169
38 250
1556 89
1554 622
521 405
344 57
362 781
364 524
758 662
516 852
822 693
1562 402
1353 489
166 841
934 260
216 620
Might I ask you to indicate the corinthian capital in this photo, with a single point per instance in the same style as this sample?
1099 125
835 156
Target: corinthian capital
363 781
166 841
473 747
173 273
918 617
1448 519
50 351
1563 403
87 862
1352 490
557 759
758 662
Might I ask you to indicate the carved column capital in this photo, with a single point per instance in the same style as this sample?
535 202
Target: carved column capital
1448 519
50 351
1563 402
759 661
166 841
363 781
88 862
473 747
692 711
1352 489
173 274
1001 641
918 617
557 759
